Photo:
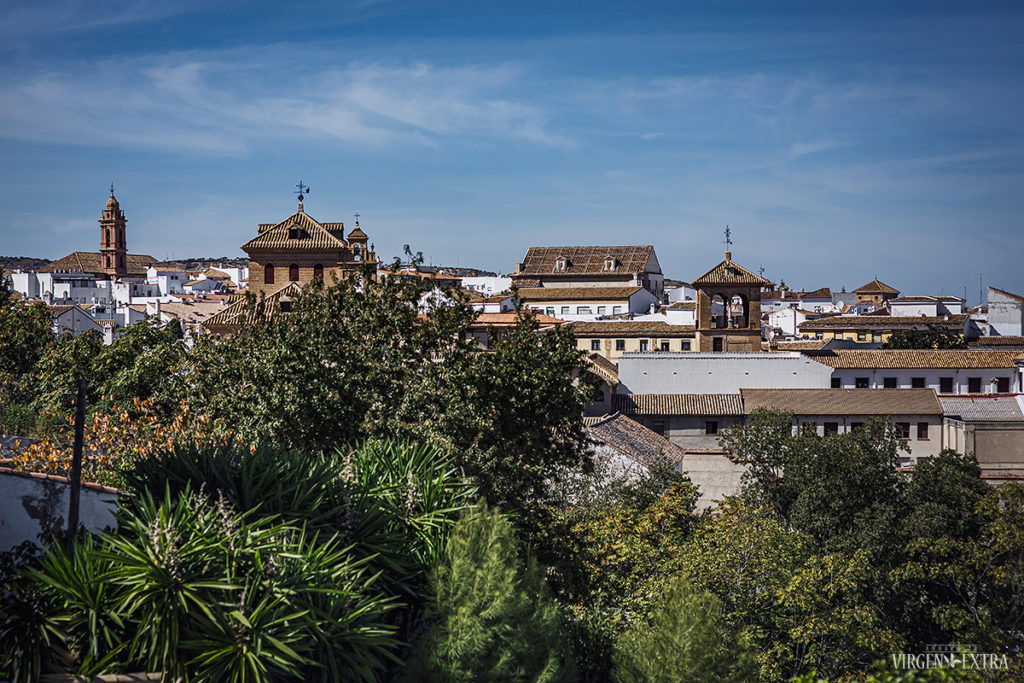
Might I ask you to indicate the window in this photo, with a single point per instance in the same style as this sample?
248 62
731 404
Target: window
620 344
861 336
861 383
658 426
917 382
855 426
318 271
831 428
837 383
922 431
583 310
550 310
293 272
711 427
716 344
644 345
560 264
685 345
286 305
945 385
595 344
876 336
1003 385
817 335
889 382
601 310
665 346
565 310
268 274
974 385
616 310
902 430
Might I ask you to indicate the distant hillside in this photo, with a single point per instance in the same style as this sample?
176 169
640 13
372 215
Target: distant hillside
22 262
204 262
458 271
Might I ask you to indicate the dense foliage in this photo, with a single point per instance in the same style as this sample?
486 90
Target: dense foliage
295 491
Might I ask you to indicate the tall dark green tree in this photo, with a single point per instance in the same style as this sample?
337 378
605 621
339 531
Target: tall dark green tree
492 617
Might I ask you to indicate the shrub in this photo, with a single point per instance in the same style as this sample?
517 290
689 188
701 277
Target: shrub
493 619
684 639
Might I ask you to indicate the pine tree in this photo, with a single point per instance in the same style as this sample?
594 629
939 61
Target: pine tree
493 619
683 641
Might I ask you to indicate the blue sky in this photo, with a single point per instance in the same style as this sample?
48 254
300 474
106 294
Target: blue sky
840 141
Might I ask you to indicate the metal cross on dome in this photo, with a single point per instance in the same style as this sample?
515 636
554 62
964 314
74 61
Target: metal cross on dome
357 214
303 190
111 189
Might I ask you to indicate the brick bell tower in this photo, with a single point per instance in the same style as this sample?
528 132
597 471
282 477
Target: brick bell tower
113 246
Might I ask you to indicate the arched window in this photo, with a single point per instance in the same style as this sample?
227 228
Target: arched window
357 254
293 272
560 264
108 236
318 271
268 274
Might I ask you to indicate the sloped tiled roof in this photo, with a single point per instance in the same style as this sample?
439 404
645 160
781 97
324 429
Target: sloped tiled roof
925 299
844 401
823 293
632 328
1006 340
797 345
885 321
535 294
990 408
925 358
315 236
876 287
603 368
585 260
59 309
678 404
632 439
509 318
238 312
728 272
683 305
89 262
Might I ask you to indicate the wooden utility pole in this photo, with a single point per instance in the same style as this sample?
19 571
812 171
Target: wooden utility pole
75 479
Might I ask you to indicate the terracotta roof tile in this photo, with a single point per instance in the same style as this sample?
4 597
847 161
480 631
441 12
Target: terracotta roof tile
89 262
632 439
729 272
929 358
883 320
604 368
986 408
314 236
510 318
1006 340
678 404
876 287
537 294
585 260
844 401
632 328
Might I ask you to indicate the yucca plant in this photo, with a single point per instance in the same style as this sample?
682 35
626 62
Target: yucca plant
76 581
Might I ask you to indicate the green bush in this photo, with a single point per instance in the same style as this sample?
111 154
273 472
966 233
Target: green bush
493 619
684 639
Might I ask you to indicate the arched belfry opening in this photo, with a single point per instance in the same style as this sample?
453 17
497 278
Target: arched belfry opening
729 308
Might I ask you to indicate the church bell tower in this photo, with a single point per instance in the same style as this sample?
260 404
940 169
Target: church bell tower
113 246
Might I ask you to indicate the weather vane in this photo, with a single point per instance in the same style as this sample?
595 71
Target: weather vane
303 191
356 214
728 237
111 189
761 271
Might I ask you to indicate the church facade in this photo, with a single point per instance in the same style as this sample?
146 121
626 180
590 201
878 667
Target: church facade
300 248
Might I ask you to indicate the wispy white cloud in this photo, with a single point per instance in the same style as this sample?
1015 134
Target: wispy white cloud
223 103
